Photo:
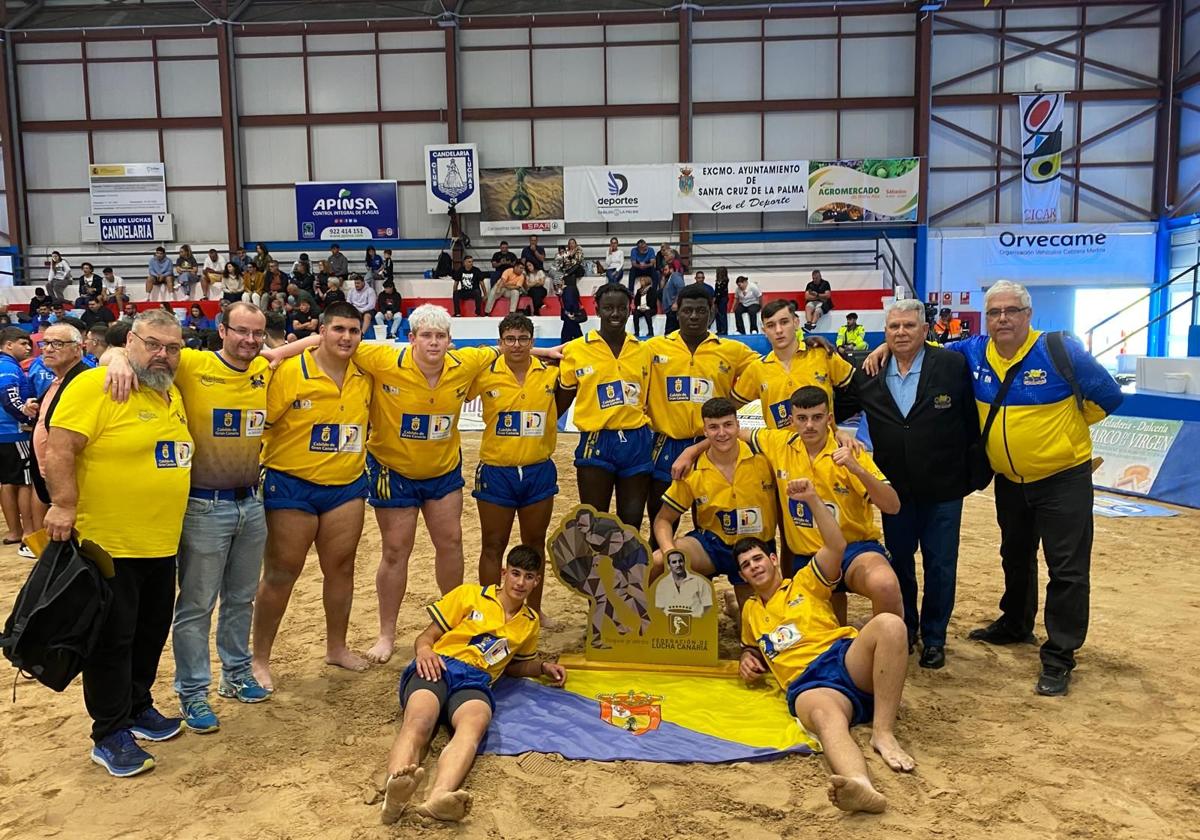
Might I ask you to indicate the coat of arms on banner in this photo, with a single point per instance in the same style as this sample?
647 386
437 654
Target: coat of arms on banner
636 712
452 178
687 182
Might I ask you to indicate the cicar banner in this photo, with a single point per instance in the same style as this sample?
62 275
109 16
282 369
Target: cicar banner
1041 157
618 193
868 190
765 186
525 200
347 210
452 178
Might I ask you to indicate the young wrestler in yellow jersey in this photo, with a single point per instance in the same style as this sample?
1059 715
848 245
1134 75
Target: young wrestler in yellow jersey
731 493
607 373
516 476
835 677
791 364
687 368
314 483
849 482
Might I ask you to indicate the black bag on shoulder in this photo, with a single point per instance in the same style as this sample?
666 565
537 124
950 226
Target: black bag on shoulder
980 467
58 614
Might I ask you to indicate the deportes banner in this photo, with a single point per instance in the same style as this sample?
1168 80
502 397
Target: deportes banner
618 193
1041 156
347 210
773 186
452 178
869 190
526 200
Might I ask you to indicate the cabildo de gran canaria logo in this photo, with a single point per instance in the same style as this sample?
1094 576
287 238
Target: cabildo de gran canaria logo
345 201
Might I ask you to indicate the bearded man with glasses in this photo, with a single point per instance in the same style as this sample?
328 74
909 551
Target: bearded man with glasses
224 527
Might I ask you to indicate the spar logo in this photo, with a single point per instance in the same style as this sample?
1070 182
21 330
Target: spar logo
345 201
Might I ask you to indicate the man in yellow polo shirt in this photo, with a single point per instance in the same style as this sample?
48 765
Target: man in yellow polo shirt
791 364
119 474
314 483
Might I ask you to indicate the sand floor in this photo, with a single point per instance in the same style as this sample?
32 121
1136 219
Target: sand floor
1118 758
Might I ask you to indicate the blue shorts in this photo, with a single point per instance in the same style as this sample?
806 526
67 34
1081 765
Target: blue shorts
624 453
389 489
282 491
516 487
664 453
852 551
721 554
829 671
460 682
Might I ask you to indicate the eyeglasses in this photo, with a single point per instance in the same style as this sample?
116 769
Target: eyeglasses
1008 312
55 344
516 340
242 332
154 347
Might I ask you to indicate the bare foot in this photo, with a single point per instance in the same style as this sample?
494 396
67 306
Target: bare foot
889 749
400 788
855 795
262 673
381 651
547 622
448 807
345 659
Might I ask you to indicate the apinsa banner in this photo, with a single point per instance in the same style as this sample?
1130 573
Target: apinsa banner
618 193
452 178
347 210
765 186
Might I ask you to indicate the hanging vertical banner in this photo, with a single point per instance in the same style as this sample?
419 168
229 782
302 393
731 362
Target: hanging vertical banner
452 178
618 193
1041 156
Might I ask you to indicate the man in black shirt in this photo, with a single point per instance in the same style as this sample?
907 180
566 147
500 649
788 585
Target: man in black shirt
534 253
818 299
96 314
468 285
502 260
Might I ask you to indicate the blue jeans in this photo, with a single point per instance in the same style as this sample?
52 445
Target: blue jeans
220 553
934 526
614 275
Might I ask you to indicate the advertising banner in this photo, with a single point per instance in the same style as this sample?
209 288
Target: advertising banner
772 186
525 200
129 227
347 210
452 178
618 193
128 188
1033 254
868 190
1133 449
1041 157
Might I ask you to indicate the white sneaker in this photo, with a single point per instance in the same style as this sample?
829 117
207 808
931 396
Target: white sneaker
26 552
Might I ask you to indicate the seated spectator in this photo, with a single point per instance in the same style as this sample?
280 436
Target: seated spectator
89 282
362 297
58 312
321 278
210 274
535 287
41 319
95 342
468 285
261 258
374 265
275 282
114 286
748 301
232 287
294 291
851 336
197 320
818 299
187 271
305 322
533 255
509 284
302 274
160 276
642 263
39 298
128 313
242 259
252 286
96 313
281 305
574 264
59 276
614 262
117 333
339 267
502 261
388 313
334 293
276 330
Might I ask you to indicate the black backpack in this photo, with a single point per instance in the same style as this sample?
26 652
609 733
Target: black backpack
59 613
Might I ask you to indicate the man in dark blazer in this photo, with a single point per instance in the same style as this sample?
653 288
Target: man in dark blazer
923 422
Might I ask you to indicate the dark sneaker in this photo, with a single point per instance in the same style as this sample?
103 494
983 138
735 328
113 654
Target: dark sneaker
120 755
999 633
1054 682
932 656
246 689
198 716
150 725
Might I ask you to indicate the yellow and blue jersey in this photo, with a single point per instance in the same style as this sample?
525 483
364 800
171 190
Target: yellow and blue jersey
520 420
315 430
610 390
843 493
795 625
476 631
768 380
682 381
729 511
414 427
1039 430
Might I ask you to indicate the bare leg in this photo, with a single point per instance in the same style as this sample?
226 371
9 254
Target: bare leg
871 576
877 661
495 527
838 601
25 498
397 531
337 545
12 512
443 518
534 522
595 487
446 801
826 713
408 751
632 493
39 511
290 533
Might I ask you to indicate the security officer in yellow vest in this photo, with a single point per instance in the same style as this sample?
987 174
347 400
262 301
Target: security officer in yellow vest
851 336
